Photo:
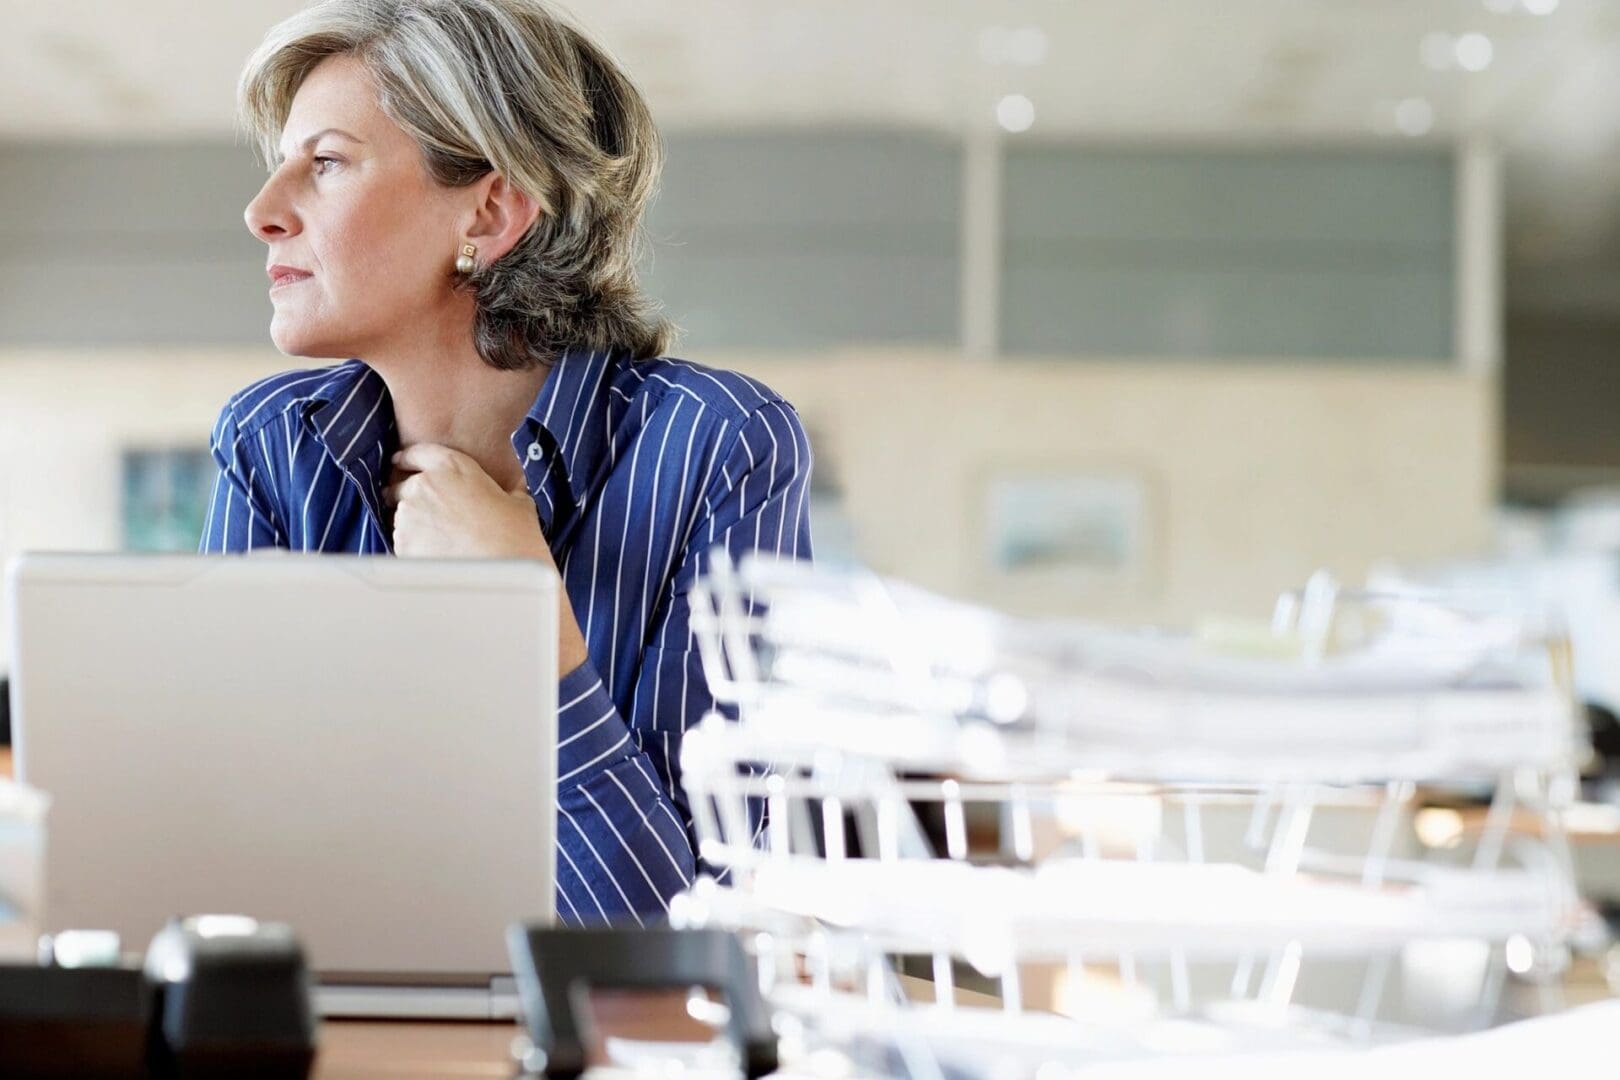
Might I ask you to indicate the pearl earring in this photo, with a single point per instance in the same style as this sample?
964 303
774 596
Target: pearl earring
464 261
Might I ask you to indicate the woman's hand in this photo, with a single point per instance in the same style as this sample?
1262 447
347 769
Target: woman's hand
447 506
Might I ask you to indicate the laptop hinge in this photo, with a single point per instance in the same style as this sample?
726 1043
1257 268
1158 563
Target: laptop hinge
406 1002
503 998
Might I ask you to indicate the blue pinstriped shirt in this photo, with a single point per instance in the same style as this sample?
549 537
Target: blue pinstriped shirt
639 470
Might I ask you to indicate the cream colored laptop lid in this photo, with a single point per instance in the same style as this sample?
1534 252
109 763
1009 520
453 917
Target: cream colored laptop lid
364 748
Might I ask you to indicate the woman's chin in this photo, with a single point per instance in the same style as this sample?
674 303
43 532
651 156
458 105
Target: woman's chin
295 340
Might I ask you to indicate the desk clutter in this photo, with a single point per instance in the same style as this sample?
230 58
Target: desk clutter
216 996
946 842
1145 845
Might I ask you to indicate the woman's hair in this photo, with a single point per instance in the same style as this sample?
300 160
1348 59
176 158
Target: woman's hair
502 85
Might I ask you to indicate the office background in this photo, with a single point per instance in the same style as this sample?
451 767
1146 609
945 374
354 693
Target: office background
1130 309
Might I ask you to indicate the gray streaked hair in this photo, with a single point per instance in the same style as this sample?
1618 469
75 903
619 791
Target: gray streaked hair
502 85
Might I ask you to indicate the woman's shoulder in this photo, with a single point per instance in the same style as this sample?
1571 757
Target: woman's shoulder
748 424
730 395
269 398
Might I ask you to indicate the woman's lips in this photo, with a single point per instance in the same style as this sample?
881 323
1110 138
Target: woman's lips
286 275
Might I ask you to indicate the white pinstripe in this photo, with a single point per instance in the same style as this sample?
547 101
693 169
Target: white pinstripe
674 865
614 881
590 891
628 850
597 760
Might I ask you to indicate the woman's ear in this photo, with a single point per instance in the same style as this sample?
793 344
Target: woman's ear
502 216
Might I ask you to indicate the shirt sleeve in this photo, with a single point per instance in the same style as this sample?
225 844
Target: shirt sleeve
241 514
624 841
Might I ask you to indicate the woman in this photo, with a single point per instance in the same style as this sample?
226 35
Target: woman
455 194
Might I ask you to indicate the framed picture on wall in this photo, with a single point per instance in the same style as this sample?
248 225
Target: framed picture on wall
165 497
1077 531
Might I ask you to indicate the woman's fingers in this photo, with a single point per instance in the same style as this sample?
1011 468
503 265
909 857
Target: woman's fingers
424 457
393 493
412 461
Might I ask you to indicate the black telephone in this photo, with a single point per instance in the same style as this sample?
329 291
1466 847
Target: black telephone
558 970
217 996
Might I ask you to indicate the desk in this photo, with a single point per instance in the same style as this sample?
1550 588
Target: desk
366 1050
371 1050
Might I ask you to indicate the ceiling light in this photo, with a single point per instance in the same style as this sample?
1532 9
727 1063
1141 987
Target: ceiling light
1474 52
1015 112
1414 116
1540 7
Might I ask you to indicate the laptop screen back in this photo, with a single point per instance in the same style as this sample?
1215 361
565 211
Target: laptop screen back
362 748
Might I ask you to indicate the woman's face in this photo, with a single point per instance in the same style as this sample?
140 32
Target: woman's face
361 238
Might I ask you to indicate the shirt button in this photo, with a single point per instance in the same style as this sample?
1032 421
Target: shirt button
534 451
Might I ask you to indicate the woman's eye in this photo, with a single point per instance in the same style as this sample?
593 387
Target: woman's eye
322 163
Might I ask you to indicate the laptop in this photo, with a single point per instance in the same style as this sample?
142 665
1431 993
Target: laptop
363 748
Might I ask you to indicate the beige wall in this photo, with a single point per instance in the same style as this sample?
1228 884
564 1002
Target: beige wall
65 418
1255 474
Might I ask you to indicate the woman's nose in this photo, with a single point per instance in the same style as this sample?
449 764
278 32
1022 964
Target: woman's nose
268 216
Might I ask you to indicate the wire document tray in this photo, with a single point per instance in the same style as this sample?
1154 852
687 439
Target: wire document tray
1129 840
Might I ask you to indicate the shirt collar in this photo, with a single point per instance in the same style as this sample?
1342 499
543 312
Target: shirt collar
352 415
566 433
563 442
351 412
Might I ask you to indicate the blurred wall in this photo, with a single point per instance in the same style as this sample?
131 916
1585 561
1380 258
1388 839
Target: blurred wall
1560 400
1254 475
1241 252
813 239
1251 346
113 245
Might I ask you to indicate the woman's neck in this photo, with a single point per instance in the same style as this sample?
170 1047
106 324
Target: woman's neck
443 392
